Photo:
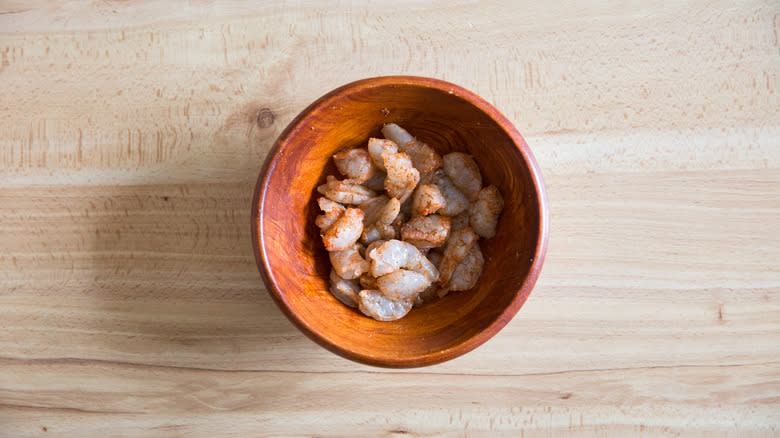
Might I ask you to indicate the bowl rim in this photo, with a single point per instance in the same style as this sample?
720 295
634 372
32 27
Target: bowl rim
439 356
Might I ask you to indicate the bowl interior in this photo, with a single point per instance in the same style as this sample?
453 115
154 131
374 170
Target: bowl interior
297 266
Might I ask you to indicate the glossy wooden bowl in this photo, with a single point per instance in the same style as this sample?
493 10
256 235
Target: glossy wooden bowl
294 263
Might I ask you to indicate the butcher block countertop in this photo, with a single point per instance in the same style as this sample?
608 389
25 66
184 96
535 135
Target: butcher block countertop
132 135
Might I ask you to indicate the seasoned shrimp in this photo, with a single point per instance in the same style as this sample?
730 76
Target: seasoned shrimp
426 231
402 177
435 257
395 254
460 221
389 211
368 281
464 173
424 158
377 146
331 212
372 207
365 215
431 293
345 192
406 207
458 246
345 231
376 182
371 234
484 212
402 284
374 304
426 296
344 290
372 246
348 263
397 134
355 164
454 201
380 213
378 231
468 271
399 221
427 199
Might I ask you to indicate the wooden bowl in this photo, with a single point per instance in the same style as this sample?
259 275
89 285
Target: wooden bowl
295 265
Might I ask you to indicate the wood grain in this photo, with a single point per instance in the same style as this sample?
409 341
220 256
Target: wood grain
130 304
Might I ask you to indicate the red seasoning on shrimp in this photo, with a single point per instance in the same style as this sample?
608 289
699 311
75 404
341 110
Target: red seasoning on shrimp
421 234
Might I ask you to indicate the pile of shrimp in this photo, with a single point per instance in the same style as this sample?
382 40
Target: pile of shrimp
415 242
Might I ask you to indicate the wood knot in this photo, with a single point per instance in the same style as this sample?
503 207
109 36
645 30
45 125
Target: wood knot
566 396
265 118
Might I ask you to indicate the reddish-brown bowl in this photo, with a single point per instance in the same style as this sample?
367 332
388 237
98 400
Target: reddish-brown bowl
295 265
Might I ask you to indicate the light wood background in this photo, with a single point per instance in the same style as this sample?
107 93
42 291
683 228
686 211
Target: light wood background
130 304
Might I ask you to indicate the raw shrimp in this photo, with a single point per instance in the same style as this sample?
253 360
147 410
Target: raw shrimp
424 158
435 257
345 231
402 284
431 293
345 192
402 177
395 254
385 184
464 173
468 271
373 245
426 296
370 234
376 182
484 212
454 201
427 199
374 304
397 134
355 164
376 146
389 211
426 231
348 263
458 246
372 207
331 212
378 231
381 216
399 221
406 207
368 281
344 290
460 221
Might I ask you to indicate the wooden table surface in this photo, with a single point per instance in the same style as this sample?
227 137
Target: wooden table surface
130 142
